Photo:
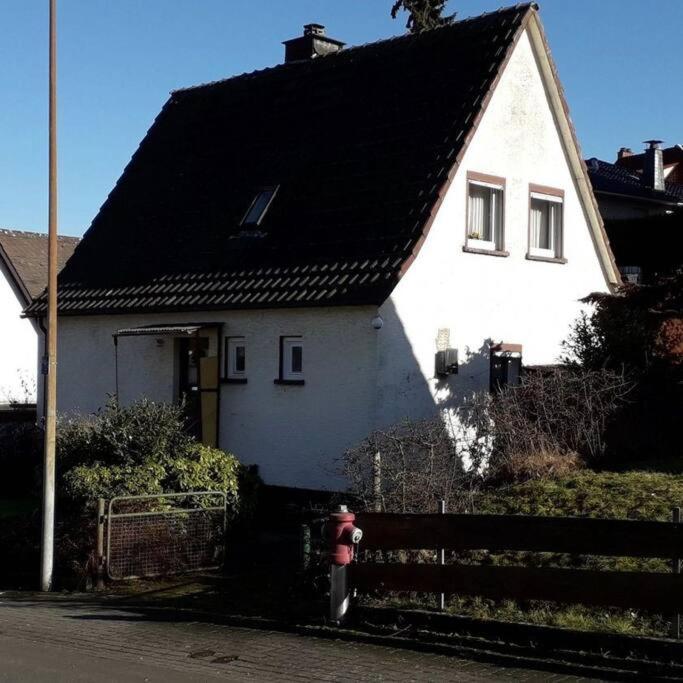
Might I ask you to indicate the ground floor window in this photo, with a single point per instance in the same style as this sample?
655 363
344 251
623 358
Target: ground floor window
236 358
291 360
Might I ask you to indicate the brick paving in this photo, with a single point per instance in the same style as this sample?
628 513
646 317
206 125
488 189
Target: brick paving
72 639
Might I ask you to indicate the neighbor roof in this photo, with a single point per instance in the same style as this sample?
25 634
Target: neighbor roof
614 179
359 143
25 257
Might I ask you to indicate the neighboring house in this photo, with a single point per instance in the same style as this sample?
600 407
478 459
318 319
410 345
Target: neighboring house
635 190
331 245
671 159
23 276
641 202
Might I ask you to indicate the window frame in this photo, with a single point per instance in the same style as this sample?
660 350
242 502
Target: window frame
495 247
555 196
285 374
231 374
273 190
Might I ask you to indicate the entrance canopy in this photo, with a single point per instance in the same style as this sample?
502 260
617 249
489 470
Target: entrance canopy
169 330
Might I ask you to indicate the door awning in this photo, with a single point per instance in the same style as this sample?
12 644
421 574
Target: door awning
168 330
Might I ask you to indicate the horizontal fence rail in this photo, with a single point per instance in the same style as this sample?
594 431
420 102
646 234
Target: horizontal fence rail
573 535
386 533
165 534
639 590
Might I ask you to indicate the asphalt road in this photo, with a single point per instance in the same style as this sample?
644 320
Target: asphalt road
60 640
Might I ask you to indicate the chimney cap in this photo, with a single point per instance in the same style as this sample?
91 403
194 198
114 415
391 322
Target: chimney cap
314 30
653 144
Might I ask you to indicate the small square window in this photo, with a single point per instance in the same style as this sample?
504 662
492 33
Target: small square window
292 359
484 215
545 225
235 358
257 209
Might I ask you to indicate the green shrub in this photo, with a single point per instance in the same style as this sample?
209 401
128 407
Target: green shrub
630 495
141 449
123 435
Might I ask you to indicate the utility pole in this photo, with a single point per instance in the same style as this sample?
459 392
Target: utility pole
47 554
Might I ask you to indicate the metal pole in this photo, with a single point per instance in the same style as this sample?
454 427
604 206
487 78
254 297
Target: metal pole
100 544
441 557
47 554
676 568
339 593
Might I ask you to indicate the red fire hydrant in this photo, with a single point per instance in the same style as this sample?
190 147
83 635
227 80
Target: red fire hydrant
342 536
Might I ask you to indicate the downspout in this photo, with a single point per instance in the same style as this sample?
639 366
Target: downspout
116 367
43 367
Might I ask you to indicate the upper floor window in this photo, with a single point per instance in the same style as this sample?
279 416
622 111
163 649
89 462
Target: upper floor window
236 358
257 209
545 222
485 211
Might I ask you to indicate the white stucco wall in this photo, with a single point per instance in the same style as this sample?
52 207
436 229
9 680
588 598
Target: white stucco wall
294 433
483 298
18 347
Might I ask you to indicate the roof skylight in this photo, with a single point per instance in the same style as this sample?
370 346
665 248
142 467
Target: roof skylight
257 209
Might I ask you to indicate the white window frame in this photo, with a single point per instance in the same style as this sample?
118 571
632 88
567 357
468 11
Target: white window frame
556 227
497 230
287 345
231 346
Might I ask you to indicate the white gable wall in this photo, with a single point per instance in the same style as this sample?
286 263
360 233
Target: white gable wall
484 298
18 346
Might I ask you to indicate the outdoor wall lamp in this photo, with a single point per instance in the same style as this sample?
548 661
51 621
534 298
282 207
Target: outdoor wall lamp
377 322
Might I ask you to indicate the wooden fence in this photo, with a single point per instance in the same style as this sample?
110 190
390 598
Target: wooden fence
657 591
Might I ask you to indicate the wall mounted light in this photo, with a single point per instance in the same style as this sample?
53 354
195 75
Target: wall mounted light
377 322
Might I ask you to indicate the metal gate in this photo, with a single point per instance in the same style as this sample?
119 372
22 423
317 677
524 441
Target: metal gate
164 534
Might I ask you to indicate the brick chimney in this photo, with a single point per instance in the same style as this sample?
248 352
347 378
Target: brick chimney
624 152
313 43
653 166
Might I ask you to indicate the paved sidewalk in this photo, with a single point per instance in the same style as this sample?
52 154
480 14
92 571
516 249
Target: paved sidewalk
61 641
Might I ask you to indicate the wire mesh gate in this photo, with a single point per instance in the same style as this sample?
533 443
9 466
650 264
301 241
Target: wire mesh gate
164 534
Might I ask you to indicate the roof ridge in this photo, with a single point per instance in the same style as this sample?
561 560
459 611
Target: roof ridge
526 6
33 233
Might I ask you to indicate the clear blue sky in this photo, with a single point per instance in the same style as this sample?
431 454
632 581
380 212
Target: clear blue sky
620 62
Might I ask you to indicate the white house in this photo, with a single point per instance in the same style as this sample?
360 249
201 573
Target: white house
23 276
304 250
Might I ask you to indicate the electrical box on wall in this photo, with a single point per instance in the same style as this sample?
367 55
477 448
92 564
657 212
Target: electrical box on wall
447 362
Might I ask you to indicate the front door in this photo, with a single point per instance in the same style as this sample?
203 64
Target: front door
198 388
191 350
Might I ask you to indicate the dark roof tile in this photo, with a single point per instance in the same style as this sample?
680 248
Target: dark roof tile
360 144
25 253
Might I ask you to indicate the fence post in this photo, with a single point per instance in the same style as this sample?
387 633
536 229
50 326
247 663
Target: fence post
377 481
676 568
305 546
343 535
100 545
441 557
